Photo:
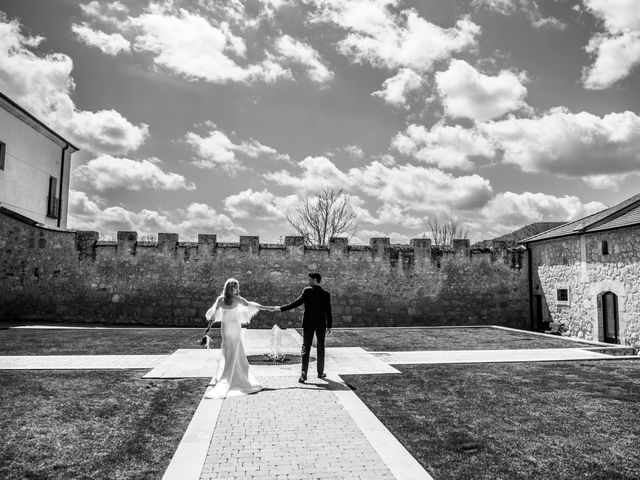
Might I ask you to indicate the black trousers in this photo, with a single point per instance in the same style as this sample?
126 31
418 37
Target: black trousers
307 340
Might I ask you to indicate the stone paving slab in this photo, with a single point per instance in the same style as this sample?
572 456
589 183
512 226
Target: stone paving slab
203 363
72 362
492 356
290 431
192 451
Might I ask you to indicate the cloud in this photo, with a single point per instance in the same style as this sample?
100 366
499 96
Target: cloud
216 149
260 205
87 214
614 59
395 89
528 7
467 93
354 151
111 44
103 10
107 131
297 51
445 146
190 45
382 38
43 85
107 172
616 52
512 210
413 187
579 145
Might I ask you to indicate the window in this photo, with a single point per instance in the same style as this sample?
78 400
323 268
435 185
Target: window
3 149
605 247
562 296
53 202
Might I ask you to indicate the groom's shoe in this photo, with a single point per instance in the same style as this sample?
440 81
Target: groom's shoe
303 378
322 375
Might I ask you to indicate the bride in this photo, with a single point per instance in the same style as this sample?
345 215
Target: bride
233 377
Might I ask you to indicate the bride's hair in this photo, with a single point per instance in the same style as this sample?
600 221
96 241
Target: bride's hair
226 291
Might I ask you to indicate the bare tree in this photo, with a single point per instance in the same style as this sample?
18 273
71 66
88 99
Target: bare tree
328 214
444 233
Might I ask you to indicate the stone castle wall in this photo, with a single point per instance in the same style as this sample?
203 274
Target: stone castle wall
56 275
578 264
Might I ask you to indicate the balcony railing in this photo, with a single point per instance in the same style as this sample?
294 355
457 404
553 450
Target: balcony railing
54 205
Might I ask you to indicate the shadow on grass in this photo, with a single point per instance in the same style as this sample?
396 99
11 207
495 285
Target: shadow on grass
98 424
519 421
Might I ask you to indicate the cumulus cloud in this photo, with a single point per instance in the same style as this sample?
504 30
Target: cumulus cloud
106 131
616 52
528 7
291 49
513 210
395 89
467 93
190 45
107 172
262 205
88 214
375 34
579 145
413 187
111 44
43 85
443 145
216 149
354 151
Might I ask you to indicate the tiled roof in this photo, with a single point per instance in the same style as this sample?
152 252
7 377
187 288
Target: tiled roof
624 214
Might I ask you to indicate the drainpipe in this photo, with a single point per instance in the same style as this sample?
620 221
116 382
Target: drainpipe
530 268
64 150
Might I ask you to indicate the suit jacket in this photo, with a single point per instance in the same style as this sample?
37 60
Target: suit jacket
317 307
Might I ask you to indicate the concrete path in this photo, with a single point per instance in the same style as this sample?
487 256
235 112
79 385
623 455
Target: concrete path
492 356
84 362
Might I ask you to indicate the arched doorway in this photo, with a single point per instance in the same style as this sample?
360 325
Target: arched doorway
610 326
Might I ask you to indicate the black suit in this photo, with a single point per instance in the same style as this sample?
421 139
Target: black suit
316 319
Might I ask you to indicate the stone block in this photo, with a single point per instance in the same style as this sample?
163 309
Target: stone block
167 243
338 246
206 244
126 243
294 245
379 246
250 244
86 244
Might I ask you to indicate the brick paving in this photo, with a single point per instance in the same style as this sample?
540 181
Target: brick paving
290 431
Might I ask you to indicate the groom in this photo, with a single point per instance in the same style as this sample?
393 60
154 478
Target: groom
316 320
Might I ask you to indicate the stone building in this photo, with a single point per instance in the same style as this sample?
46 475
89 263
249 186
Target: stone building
586 275
35 164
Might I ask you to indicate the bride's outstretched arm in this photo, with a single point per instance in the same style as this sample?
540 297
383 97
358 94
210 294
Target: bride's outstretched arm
212 311
246 303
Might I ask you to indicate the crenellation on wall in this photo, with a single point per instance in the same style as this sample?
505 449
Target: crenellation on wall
169 282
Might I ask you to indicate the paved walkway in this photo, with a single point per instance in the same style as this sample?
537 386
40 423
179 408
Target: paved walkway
493 356
319 430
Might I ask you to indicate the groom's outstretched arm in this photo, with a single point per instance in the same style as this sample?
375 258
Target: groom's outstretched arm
296 303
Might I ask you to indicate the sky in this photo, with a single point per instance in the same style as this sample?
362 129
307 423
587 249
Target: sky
200 116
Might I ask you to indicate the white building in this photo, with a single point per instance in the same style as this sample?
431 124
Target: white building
34 166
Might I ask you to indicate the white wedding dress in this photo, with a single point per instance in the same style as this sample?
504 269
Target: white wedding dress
233 377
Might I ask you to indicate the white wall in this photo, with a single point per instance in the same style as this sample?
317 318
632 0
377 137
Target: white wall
31 158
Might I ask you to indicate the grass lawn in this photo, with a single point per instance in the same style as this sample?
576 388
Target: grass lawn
519 421
91 424
409 339
121 341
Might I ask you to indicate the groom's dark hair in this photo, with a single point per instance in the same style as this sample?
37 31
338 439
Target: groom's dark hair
316 277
